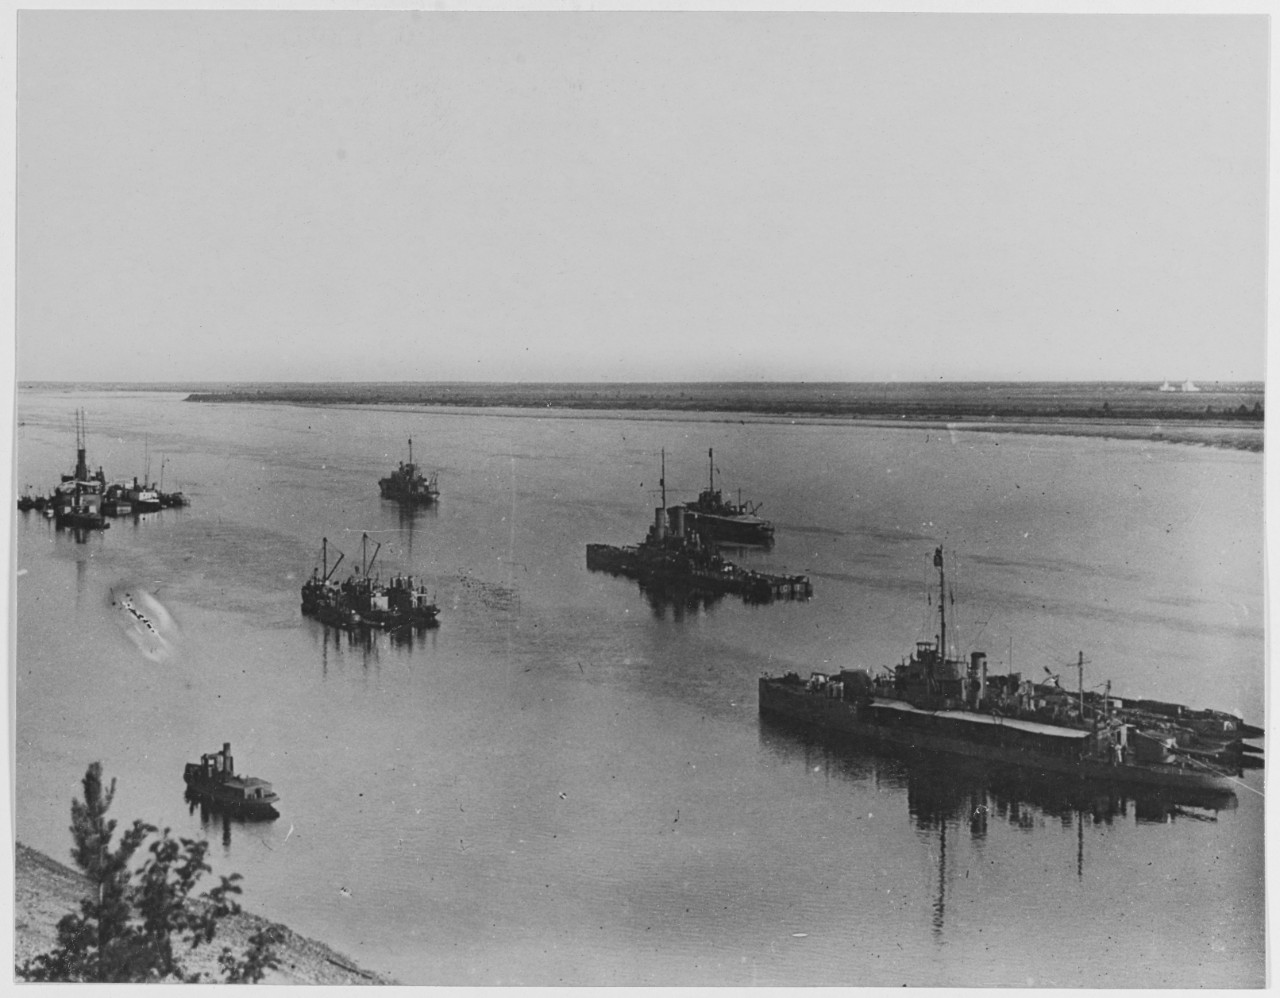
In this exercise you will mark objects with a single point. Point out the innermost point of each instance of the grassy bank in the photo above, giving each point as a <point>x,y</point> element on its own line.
<point>45,890</point>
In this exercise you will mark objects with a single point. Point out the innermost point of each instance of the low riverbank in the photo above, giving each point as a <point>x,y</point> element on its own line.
<point>1228,415</point>
<point>45,890</point>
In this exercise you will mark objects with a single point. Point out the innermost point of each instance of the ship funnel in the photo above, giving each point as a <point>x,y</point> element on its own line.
<point>679,515</point>
<point>978,672</point>
<point>660,522</point>
<point>226,758</point>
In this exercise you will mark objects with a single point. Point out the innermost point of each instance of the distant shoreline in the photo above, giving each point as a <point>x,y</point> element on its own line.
<point>1227,418</point>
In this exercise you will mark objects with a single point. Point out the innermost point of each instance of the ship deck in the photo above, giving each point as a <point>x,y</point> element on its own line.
<point>970,717</point>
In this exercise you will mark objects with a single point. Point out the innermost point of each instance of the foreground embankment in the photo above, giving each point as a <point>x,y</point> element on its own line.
<point>45,890</point>
<point>1218,415</point>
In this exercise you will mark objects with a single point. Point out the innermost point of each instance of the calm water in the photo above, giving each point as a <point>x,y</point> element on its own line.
<point>568,783</point>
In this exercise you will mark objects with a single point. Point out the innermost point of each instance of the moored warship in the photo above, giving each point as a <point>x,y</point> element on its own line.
<point>408,485</point>
<point>671,555</point>
<point>938,703</point>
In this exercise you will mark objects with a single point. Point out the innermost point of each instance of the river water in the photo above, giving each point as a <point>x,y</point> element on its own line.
<point>568,781</point>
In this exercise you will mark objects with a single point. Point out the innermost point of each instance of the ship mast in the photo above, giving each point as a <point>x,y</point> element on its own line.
<point>82,468</point>
<point>1080,670</point>
<point>662,481</point>
<point>411,452</point>
<point>711,470</point>
<point>942,603</point>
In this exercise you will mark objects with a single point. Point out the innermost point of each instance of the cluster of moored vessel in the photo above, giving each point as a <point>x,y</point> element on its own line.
<point>938,703</point>
<point>931,701</point>
<point>364,600</point>
<point>680,551</point>
<point>83,499</point>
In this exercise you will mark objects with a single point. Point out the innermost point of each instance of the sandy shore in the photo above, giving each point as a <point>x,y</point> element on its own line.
<point>45,890</point>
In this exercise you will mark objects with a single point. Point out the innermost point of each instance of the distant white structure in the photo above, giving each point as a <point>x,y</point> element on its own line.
<point>1166,387</point>
<point>1186,386</point>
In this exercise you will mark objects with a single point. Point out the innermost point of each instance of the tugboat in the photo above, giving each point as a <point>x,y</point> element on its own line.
<point>143,496</point>
<point>718,519</point>
<point>672,556</point>
<point>77,501</point>
<point>363,601</point>
<point>407,484</point>
<point>214,779</point>
<point>936,703</point>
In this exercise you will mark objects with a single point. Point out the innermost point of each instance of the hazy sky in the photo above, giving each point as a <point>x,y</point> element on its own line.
<point>505,196</point>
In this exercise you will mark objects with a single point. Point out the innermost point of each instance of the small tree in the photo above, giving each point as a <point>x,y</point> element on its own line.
<point>135,924</point>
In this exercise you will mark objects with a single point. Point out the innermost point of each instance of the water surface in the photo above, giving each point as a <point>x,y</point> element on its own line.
<point>568,781</point>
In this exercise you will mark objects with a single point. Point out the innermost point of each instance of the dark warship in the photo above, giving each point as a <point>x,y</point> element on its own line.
<point>937,703</point>
<point>408,486</point>
<point>671,556</point>
<point>715,518</point>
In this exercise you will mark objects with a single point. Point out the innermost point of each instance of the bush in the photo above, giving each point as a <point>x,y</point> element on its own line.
<point>136,924</point>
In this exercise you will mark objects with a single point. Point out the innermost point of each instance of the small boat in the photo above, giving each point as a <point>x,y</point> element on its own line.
<point>143,496</point>
<point>408,485</point>
<point>214,779</point>
<point>169,500</point>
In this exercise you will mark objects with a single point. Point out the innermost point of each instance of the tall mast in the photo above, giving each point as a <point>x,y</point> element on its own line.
<point>82,467</point>
<point>1080,668</point>
<point>942,603</point>
<point>411,452</point>
<point>662,479</point>
<point>711,469</point>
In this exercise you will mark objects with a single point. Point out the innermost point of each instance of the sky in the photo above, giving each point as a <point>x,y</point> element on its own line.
<point>543,196</point>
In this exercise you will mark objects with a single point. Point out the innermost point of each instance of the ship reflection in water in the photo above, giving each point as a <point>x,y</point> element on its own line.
<point>219,817</point>
<point>679,601</point>
<point>948,794</point>
<point>338,645</point>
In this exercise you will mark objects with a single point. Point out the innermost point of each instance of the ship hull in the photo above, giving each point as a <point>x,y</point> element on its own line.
<point>344,617</point>
<point>225,799</point>
<point>670,570</point>
<point>829,716</point>
<point>81,521</point>
<point>406,496</point>
<point>731,529</point>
